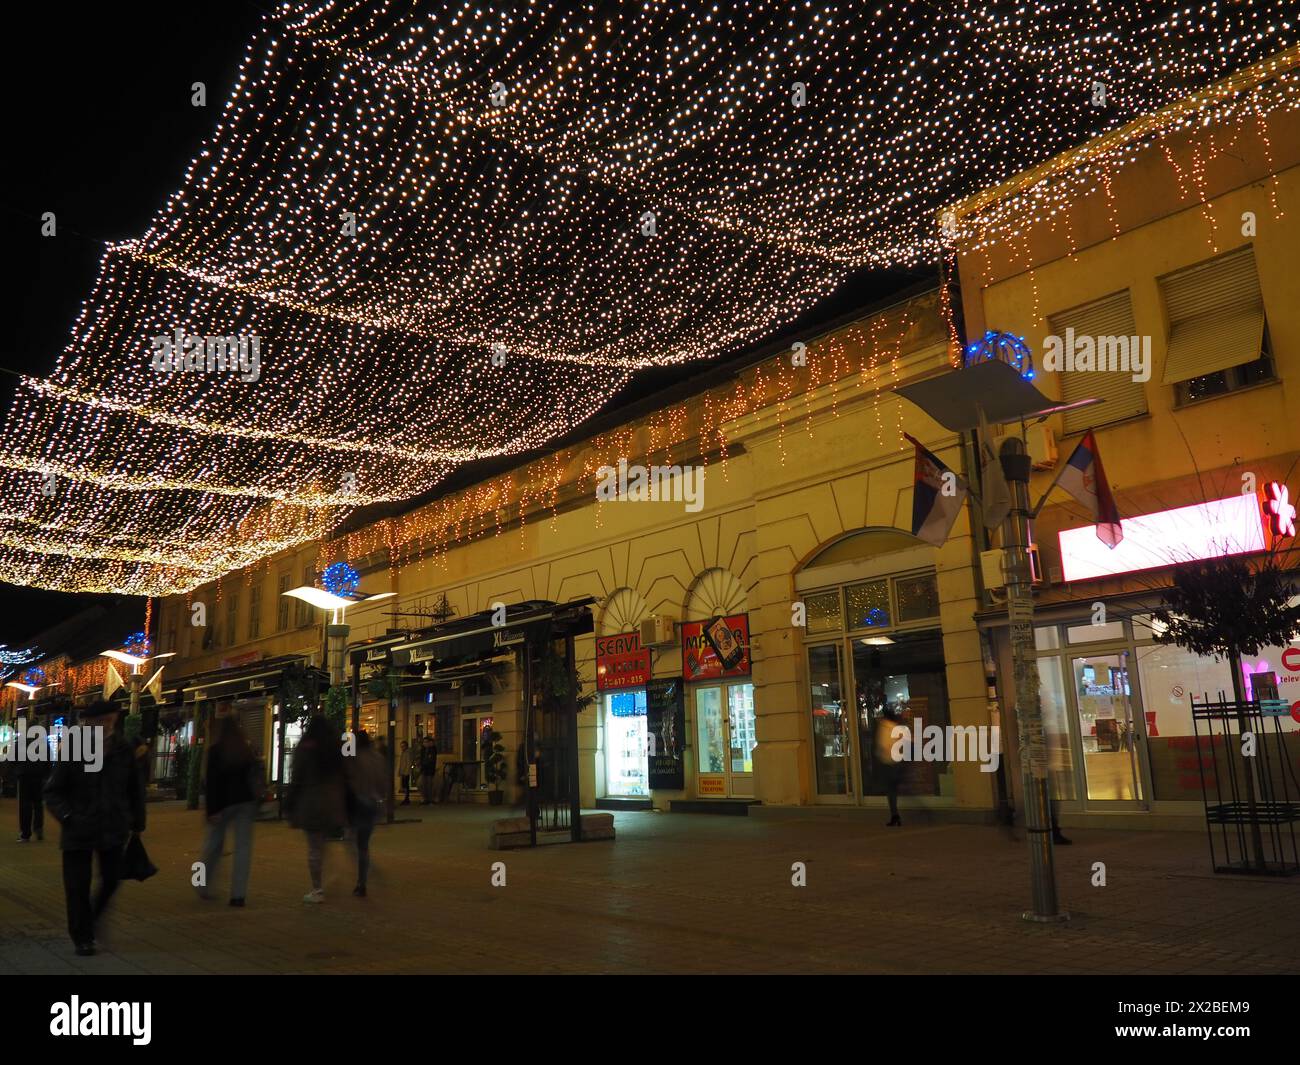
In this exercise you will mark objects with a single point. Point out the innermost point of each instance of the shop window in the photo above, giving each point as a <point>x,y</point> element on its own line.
<point>909,678</point>
<point>917,597</point>
<point>868,605</point>
<point>829,725</point>
<point>626,744</point>
<point>1056,728</point>
<point>1112,630</point>
<point>1047,638</point>
<point>823,612</point>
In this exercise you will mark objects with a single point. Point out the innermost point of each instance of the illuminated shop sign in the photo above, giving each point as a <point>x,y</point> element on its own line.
<point>718,647</point>
<point>1235,526</point>
<point>621,662</point>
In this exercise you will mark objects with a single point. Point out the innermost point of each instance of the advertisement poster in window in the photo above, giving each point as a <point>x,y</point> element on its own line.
<point>666,731</point>
<point>716,648</point>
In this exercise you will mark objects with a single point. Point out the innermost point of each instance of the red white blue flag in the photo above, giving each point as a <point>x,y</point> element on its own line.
<point>937,496</point>
<point>1083,477</point>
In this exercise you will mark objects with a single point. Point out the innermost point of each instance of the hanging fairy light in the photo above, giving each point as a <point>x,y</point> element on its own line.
<point>426,234</point>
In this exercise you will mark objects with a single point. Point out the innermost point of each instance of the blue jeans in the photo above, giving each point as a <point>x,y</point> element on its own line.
<point>241,816</point>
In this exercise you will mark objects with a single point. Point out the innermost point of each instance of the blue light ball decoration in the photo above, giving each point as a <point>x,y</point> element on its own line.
<point>137,644</point>
<point>875,616</point>
<point>340,579</point>
<point>1005,347</point>
<point>34,676</point>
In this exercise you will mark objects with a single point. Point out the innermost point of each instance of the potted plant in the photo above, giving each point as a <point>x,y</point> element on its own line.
<point>494,765</point>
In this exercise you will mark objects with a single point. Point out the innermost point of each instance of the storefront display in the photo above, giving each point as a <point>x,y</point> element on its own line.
<point>627,772</point>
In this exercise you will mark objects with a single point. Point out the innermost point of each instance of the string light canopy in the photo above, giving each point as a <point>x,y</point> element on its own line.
<point>426,234</point>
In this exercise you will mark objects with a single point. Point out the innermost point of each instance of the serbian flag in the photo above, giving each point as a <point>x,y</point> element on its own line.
<point>937,496</point>
<point>1083,477</point>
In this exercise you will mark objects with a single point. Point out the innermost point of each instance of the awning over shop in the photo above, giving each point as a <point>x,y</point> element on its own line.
<point>238,682</point>
<point>476,637</point>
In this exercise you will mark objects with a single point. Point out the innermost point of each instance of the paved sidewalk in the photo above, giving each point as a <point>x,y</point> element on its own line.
<point>676,893</point>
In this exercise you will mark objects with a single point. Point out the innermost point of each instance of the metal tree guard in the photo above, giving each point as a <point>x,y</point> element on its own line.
<point>1253,804</point>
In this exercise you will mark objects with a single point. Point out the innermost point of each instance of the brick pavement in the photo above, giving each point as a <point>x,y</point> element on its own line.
<point>676,893</point>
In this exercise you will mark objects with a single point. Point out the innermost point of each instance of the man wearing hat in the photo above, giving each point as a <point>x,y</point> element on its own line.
<point>98,812</point>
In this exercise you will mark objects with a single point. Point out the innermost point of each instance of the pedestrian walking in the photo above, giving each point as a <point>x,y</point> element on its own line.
<point>428,768</point>
<point>98,813</point>
<point>405,769</point>
<point>368,785</point>
<point>317,798</point>
<point>893,739</point>
<point>31,777</point>
<point>234,789</point>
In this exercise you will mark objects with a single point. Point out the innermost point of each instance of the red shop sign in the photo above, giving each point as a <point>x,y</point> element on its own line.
<point>718,647</point>
<point>621,662</point>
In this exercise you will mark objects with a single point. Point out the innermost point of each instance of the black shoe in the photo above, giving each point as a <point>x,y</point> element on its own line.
<point>237,902</point>
<point>1060,840</point>
<point>24,839</point>
<point>894,822</point>
<point>359,891</point>
<point>405,802</point>
<point>85,950</point>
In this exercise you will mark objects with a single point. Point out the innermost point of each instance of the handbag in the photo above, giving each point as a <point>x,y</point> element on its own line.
<point>135,860</point>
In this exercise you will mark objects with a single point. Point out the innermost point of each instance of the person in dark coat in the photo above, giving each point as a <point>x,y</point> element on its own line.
<point>317,797</point>
<point>31,810</point>
<point>428,768</point>
<point>368,781</point>
<point>97,812</point>
<point>233,772</point>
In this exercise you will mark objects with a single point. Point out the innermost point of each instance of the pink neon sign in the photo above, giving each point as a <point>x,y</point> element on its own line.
<point>1232,526</point>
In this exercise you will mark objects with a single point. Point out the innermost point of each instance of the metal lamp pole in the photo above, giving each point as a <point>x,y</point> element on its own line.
<point>1029,711</point>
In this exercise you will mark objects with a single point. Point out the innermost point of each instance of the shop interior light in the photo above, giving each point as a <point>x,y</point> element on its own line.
<point>877,641</point>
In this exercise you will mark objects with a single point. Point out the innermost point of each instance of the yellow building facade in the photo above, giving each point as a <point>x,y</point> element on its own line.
<point>1177,234</point>
<point>799,541</point>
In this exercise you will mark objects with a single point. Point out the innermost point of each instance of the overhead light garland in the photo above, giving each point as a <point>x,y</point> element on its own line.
<point>451,232</point>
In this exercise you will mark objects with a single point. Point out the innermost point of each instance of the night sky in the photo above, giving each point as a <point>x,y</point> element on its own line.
<point>100,129</point>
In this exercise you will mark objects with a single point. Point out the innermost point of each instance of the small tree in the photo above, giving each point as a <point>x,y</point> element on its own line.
<point>1228,607</point>
<point>494,759</point>
<point>335,706</point>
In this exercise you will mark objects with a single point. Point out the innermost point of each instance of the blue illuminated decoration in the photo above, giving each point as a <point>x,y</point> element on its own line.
<point>1005,347</point>
<point>137,644</point>
<point>34,676</point>
<point>876,616</point>
<point>340,579</point>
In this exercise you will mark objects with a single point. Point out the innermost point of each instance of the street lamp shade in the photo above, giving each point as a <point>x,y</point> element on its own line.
<point>324,600</point>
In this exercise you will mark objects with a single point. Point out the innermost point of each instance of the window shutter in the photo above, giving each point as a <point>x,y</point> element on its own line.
<point>1123,397</point>
<point>1216,316</point>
